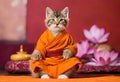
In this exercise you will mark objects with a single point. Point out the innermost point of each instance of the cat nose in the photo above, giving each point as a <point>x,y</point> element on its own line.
<point>57,24</point>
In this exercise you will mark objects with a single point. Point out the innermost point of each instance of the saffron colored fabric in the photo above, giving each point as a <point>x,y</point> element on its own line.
<point>87,78</point>
<point>51,48</point>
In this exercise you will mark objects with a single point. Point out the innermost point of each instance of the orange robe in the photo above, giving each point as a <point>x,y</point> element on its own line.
<point>51,48</point>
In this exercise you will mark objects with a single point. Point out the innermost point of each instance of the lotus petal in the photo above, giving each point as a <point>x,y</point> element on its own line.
<point>113,55</point>
<point>83,49</point>
<point>96,34</point>
<point>92,64</point>
<point>104,38</point>
<point>115,63</point>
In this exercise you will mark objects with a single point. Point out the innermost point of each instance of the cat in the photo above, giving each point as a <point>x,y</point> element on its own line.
<point>56,22</point>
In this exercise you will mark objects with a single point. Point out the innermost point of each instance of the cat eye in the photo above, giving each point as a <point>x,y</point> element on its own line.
<point>61,19</point>
<point>52,20</point>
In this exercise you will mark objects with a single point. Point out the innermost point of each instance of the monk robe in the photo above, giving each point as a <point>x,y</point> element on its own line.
<point>51,48</point>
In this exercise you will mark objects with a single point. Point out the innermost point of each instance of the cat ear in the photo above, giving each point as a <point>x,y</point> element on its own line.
<point>65,12</point>
<point>49,11</point>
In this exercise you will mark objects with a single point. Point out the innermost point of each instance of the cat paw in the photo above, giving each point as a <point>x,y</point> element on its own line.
<point>36,55</point>
<point>67,54</point>
<point>45,76</point>
<point>62,76</point>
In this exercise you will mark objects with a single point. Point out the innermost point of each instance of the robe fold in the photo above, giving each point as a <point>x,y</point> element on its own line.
<point>51,48</point>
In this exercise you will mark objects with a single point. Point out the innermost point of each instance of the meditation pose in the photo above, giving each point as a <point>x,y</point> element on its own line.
<point>54,54</point>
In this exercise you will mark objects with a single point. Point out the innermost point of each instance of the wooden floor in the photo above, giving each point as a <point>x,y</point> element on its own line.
<point>92,77</point>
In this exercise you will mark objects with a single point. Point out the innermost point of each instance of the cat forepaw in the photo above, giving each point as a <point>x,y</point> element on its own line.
<point>45,76</point>
<point>67,54</point>
<point>36,55</point>
<point>62,76</point>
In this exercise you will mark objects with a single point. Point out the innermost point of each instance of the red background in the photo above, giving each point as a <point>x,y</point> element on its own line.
<point>83,14</point>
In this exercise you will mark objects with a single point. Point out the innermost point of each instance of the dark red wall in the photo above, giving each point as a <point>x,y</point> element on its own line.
<point>83,14</point>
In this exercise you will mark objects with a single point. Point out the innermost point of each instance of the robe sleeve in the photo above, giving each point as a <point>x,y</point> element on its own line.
<point>72,45</point>
<point>41,44</point>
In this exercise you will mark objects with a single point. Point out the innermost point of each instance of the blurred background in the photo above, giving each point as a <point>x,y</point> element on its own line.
<point>13,20</point>
<point>22,21</point>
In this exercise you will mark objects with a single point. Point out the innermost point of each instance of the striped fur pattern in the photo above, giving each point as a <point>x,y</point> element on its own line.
<point>56,21</point>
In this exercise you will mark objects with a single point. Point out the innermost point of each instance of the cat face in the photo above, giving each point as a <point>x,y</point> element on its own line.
<point>56,21</point>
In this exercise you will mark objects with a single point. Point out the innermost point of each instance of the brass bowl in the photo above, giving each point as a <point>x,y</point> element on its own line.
<point>21,55</point>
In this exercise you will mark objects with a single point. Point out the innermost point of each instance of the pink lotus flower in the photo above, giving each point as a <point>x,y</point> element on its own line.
<point>102,58</point>
<point>84,49</point>
<point>115,63</point>
<point>96,34</point>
